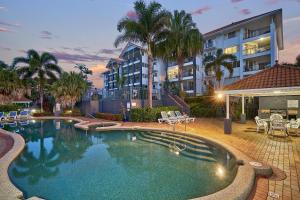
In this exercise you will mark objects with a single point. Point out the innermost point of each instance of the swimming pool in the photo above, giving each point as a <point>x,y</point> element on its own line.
<point>62,162</point>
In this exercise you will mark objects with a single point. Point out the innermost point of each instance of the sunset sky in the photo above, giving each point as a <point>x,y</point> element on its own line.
<point>83,31</point>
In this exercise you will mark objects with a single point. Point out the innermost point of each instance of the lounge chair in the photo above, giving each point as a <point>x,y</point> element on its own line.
<point>2,116</point>
<point>12,115</point>
<point>1,125</point>
<point>166,118</point>
<point>173,115</point>
<point>185,117</point>
<point>261,124</point>
<point>24,114</point>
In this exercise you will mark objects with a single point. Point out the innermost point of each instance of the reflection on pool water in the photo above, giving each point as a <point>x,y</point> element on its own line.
<point>62,162</point>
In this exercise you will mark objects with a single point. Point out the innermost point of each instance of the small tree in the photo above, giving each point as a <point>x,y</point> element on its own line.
<point>69,89</point>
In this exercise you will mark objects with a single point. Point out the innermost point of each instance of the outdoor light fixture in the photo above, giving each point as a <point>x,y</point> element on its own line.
<point>220,172</point>
<point>220,96</point>
<point>33,110</point>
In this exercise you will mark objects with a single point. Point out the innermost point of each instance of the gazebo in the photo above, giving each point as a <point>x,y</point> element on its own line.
<point>22,100</point>
<point>276,86</point>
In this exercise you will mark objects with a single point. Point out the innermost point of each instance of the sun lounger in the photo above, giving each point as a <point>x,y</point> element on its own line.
<point>23,114</point>
<point>12,115</point>
<point>173,115</point>
<point>166,118</point>
<point>2,116</point>
<point>185,117</point>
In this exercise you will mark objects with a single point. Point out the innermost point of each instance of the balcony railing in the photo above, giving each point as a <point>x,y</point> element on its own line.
<point>257,67</point>
<point>187,74</point>
<point>254,33</point>
<point>251,51</point>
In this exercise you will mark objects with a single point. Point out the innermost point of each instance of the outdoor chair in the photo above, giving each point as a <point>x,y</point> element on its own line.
<point>2,116</point>
<point>261,124</point>
<point>276,117</point>
<point>1,125</point>
<point>293,126</point>
<point>279,125</point>
<point>23,114</point>
<point>166,118</point>
<point>12,115</point>
<point>186,117</point>
<point>174,116</point>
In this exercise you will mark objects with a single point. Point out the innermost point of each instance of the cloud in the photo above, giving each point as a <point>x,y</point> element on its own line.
<point>9,24</point>
<point>2,8</point>
<point>245,11</point>
<point>99,68</point>
<point>4,29</point>
<point>201,10</point>
<point>96,77</point>
<point>292,19</point>
<point>109,51</point>
<point>291,51</point>
<point>75,57</point>
<point>278,1</point>
<point>47,35</point>
<point>236,1</point>
<point>5,48</point>
<point>132,15</point>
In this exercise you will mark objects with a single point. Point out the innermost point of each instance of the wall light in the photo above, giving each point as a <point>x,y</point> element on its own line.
<point>277,92</point>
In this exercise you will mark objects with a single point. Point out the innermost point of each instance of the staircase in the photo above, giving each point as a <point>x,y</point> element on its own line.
<point>192,147</point>
<point>169,99</point>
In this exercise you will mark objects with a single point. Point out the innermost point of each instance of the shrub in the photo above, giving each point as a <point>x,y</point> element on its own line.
<point>109,116</point>
<point>148,114</point>
<point>41,114</point>
<point>9,107</point>
<point>75,112</point>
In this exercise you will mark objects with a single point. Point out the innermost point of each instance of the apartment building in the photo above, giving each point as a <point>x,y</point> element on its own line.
<point>132,67</point>
<point>255,42</point>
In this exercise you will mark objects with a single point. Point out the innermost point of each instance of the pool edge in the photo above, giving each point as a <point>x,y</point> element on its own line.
<point>239,189</point>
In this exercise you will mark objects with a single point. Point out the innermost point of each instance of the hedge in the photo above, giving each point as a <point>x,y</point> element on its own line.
<point>42,114</point>
<point>204,106</point>
<point>148,114</point>
<point>9,107</point>
<point>109,116</point>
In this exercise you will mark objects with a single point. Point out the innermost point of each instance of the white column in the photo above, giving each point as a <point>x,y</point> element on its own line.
<point>243,104</point>
<point>242,32</point>
<point>273,42</point>
<point>227,106</point>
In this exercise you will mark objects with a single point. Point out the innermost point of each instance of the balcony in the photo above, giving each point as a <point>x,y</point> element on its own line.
<point>257,67</point>
<point>256,50</point>
<point>187,73</point>
<point>254,33</point>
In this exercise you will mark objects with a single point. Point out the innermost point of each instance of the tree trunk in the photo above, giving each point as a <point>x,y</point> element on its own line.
<point>180,63</point>
<point>41,97</point>
<point>150,76</point>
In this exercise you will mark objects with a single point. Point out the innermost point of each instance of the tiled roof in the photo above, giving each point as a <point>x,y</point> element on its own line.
<point>241,22</point>
<point>21,99</point>
<point>274,77</point>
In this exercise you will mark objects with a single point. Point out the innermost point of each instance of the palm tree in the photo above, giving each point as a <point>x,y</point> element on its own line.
<point>84,70</point>
<point>42,68</point>
<point>69,89</point>
<point>145,29</point>
<point>215,63</point>
<point>183,40</point>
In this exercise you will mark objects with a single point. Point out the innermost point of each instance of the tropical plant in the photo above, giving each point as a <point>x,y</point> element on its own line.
<point>41,68</point>
<point>3,65</point>
<point>84,70</point>
<point>147,29</point>
<point>69,89</point>
<point>10,86</point>
<point>183,41</point>
<point>214,64</point>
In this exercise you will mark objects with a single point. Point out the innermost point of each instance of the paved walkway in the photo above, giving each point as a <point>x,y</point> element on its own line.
<point>282,153</point>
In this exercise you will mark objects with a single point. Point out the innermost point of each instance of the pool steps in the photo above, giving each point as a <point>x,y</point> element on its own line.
<point>193,152</point>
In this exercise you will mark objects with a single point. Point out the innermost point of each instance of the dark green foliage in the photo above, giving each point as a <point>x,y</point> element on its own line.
<point>9,107</point>
<point>204,106</point>
<point>75,112</point>
<point>42,114</point>
<point>148,114</point>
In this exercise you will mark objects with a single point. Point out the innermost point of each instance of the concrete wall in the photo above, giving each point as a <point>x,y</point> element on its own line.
<point>279,103</point>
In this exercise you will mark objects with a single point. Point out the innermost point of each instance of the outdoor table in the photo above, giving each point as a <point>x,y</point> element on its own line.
<point>268,120</point>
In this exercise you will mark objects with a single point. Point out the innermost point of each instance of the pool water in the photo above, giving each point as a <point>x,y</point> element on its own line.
<point>62,162</point>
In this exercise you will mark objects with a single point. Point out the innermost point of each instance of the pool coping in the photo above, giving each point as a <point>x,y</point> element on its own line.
<point>239,189</point>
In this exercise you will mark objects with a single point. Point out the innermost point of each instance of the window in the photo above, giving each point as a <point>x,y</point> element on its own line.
<point>231,35</point>
<point>231,50</point>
